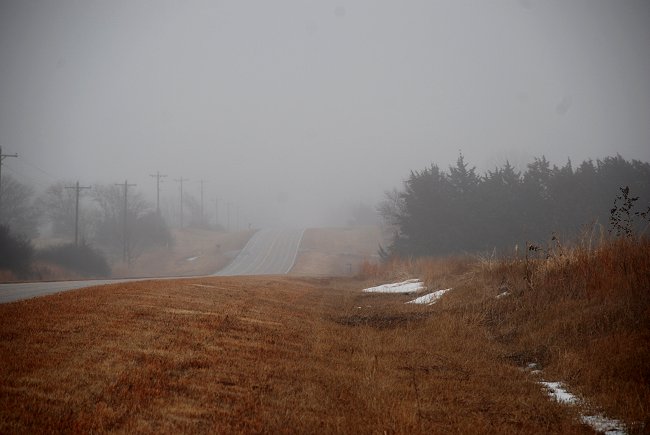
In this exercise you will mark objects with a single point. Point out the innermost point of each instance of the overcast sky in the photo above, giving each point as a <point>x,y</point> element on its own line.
<point>292,108</point>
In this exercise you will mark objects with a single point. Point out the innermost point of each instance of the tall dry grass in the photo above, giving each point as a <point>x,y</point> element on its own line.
<point>258,355</point>
<point>305,355</point>
<point>581,312</point>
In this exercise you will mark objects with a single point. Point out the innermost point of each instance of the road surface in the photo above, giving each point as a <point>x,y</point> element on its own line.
<point>268,252</point>
<point>26,290</point>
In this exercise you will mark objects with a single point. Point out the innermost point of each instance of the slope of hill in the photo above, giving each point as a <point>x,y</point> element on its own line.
<point>336,251</point>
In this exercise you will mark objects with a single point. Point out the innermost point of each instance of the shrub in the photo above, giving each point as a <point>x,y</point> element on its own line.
<point>16,253</point>
<point>83,259</point>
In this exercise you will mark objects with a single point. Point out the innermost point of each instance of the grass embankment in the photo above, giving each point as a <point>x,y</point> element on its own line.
<point>305,355</point>
<point>194,252</point>
<point>581,314</point>
<point>336,251</point>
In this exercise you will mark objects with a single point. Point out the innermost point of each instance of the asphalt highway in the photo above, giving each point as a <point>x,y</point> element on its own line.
<point>268,252</point>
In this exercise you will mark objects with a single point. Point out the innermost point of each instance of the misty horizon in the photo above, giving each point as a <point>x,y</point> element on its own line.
<point>294,111</point>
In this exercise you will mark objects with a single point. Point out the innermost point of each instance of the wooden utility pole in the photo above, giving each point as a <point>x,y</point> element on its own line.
<point>77,189</point>
<point>158,176</point>
<point>2,157</point>
<point>181,180</point>
<point>125,233</point>
<point>228,209</point>
<point>202,181</point>
<point>216,212</point>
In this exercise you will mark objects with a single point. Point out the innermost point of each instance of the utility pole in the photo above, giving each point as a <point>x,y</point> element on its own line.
<point>228,208</point>
<point>125,235</point>
<point>77,189</point>
<point>2,157</point>
<point>216,212</point>
<point>181,180</point>
<point>158,176</point>
<point>202,181</point>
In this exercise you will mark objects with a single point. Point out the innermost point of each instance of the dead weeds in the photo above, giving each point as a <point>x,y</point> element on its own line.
<point>267,354</point>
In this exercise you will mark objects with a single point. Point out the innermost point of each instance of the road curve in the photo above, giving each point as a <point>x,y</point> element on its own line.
<point>268,252</point>
<point>26,290</point>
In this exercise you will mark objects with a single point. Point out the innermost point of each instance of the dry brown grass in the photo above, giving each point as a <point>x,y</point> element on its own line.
<point>211,250</point>
<point>583,315</point>
<point>262,354</point>
<point>336,251</point>
<point>586,320</point>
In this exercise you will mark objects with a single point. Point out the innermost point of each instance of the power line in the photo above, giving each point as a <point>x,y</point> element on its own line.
<point>43,171</point>
<point>2,157</point>
<point>77,189</point>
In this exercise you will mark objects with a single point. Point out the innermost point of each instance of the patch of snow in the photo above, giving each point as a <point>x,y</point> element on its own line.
<point>430,298</point>
<point>558,392</point>
<point>502,295</point>
<point>191,258</point>
<point>408,286</point>
<point>532,368</point>
<point>603,424</point>
<point>598,423</point>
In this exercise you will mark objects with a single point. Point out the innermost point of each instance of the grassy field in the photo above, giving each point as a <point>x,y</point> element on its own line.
<point>336,251</point>
<point>296,355</point>
<point>194,252</point>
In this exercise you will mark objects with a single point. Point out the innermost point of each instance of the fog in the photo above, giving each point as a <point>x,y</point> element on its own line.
<point>294,110</point>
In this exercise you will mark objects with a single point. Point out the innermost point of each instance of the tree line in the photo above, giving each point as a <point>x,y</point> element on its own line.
<point>441,212</point>
<point>107,231</point>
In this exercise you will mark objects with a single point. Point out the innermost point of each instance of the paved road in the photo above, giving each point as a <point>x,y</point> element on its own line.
<point>26,290</point>
<point>268,252</point>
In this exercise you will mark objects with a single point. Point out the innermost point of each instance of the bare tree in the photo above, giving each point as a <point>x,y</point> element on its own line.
<point>18,211</point>
<point>57,206</point>
<point>145,227</point>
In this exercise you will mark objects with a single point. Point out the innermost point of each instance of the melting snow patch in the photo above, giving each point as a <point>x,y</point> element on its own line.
<point>533,368</point>
<point>409,286</point>
<point>429,299</point>
<point>556,391</point>
<point>191,258</point>
<point>598,423</point>
<point>603,424</point>
<point>502,295</point>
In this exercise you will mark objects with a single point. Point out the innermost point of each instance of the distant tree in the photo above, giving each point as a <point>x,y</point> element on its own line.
<point>82,259</point>
<point>361,214</point>
<point>16,253</point>
<point>17,209</point>
<point>149,231</point>
<point>197,219</point>
<point>424,217</point>
<point>441,212</point>
<point>57,205</point>
<point>390,209</point>
<point>500,196</point>
<point>109,225</point>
